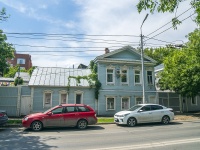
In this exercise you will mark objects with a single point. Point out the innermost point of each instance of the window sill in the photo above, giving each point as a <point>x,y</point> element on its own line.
<point>110,84</point>
<point>139,84</point>
<point>125,84</point>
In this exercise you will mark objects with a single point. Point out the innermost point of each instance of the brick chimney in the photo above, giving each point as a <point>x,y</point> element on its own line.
<point>107,50</point>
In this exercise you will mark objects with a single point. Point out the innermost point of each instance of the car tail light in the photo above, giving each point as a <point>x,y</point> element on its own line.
<point>2,114</point>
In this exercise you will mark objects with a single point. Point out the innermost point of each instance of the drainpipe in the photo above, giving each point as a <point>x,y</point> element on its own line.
<point>180,103</point>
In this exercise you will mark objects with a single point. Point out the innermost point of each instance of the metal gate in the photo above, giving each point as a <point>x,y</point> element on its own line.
<point>25,105</point>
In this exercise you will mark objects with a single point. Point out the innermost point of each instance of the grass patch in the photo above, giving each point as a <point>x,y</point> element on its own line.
<point>105,120</point>
<point>100,120</point>
<point>14,121</point>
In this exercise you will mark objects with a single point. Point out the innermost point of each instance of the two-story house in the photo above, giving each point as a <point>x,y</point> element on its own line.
<point>120,73</point>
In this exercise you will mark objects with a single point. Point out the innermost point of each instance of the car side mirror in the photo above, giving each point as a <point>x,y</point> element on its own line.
<point>49,113</point>
<point>140,110</point>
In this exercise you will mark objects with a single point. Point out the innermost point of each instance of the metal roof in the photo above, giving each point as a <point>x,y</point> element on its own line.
<point>159,68</point>
<point>55,76</point>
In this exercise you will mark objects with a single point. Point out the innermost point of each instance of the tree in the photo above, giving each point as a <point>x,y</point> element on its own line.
<point>160,53</point>
<point>6,51</point>
<point>3,15</point>
<point>171,6</point>
<point>11,71</point>
<point>18,81</point>
<point>182,68</point>
<point>30,71</point>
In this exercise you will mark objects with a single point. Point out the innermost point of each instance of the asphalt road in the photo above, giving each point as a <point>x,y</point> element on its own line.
<point>175,136</point>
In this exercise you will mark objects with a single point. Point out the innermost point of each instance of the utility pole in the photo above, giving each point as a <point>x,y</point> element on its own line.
<point>142,61</point>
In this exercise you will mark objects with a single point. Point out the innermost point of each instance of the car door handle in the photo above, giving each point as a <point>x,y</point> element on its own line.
<point>150,113</point>
<point>76,114</point>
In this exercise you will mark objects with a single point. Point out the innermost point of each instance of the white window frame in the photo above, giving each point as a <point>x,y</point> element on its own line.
<point>121,74</point>
<point>139,75</point>
<point>122,102</point>
<point>63,92</point>
<point>107,104</point>
<point>152,97</point>
<point>44,96</point>
<point>195,100</point>
<point>113,75</point>
<point>148,77</point>
<point>137,100</point>
<point>76,93</point>
<point>21,59</point>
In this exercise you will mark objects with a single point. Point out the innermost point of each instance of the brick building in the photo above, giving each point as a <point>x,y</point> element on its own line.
<point>24,60</point>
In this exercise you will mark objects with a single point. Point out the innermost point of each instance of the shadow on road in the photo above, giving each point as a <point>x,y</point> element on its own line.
<point>14,139</point>
<point>152,125</point>
<point>67,129</point>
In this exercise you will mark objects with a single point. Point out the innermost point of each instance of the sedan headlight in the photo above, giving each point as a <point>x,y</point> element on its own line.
<point>126,114</point>
<point>26,118</point>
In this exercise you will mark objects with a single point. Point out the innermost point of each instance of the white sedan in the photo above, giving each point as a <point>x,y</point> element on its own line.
<point>144,113</point>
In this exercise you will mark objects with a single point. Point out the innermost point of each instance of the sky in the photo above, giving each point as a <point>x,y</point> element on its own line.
<point>66,33</point>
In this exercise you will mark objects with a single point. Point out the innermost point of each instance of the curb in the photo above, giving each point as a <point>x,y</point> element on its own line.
<point>20,125</point>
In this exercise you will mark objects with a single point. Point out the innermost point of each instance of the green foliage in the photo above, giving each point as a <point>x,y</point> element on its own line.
<point>78,78</point>
<point>182,68</point>
<point>159,5</point>
<point>171,6</point>
<point>11,71</point>
<point>30,71</point>
<point>3,15</point>
<point>6,51</point>
<point>18,81</point>
<point>159,54</point>
<point>92,79</point>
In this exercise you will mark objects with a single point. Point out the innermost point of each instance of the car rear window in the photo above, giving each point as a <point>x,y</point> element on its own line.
<point>70,109</point>
<point>156,107</point>
<point>82,109</point>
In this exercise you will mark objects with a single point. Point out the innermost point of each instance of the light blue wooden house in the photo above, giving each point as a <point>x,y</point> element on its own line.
<point>51,86</point>
<point>120,73</point>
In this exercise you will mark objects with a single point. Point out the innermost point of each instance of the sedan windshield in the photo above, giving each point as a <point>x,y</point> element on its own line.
<point>48,110</point>
<point>135,107</point>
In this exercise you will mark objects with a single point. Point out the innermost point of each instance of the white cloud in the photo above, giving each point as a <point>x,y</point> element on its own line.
<point>99,17</point>
<point>121,17</point>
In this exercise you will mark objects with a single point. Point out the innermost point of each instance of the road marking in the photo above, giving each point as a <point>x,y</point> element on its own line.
<point>151,145</point>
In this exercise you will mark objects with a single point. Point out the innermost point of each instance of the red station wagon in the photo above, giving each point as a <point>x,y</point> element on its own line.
<point>65,115</point>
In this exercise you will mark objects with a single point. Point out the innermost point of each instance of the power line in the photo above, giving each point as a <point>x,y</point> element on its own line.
<point>169,22</point>
<point>169,28</point>
<point>66,34</point>
<point>85,41</point>
<point>62,46</point>
<point>64,55</point>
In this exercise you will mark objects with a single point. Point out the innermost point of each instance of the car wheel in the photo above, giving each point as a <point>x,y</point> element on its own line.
<point>131,122</point>
<point>165,119</point>
<point>36,126</point>
<point>82,124</point>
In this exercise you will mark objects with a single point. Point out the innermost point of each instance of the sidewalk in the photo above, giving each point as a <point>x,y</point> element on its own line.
<point>187,116</point>
<point>178,117</point>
